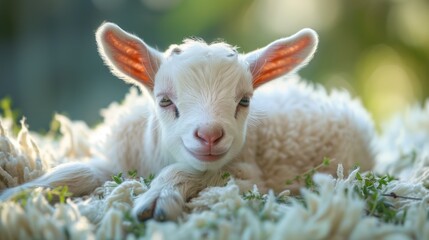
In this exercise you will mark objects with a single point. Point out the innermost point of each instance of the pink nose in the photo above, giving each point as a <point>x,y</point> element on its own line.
<point>209,135</point>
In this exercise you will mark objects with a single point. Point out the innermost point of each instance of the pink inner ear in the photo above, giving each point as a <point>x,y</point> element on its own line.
<point>279,59</point>
<point>128,56</point>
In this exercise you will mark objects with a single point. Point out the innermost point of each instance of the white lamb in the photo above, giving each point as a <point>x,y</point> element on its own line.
<point>207,110</point>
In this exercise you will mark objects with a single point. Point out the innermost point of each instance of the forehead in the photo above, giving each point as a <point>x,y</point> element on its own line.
<point>195,65</point>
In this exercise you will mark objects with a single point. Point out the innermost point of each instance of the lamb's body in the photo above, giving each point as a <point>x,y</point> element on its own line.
<point>294,125</point>
<point>195,121</point>
<point>302,125</point>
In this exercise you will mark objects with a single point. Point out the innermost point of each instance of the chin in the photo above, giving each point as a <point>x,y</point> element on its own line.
<point>208,163</point>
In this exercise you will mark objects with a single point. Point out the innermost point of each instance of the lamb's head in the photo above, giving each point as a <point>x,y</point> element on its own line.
<point>202,92</point>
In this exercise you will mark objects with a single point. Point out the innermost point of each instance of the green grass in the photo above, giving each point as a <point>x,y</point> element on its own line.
<point>9,113</point>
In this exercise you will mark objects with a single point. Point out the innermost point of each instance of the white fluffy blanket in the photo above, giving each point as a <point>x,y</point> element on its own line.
<point>351,205</point>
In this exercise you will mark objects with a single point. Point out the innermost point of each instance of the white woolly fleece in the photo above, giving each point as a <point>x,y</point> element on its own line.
<point>295,125</point>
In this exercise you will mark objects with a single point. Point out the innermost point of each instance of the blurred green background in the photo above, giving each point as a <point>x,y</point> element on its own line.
<point>376,49</point>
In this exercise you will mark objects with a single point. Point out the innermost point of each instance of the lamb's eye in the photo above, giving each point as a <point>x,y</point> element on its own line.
<point>245,101</point>
<point>165,102</point>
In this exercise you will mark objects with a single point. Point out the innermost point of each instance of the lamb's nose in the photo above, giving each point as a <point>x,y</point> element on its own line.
<point>209,135</point>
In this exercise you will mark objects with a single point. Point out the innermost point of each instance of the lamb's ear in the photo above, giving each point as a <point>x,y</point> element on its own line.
<point>282,56</point>
<point>127,56</point>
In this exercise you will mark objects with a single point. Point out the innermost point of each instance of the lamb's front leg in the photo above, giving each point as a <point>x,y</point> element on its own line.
<point>80,178</point>
<point>169,191</point>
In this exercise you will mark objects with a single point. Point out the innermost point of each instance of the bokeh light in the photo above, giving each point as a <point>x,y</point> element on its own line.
<point>388,85</point>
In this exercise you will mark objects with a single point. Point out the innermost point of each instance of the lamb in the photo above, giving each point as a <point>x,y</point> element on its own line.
<point>207,110</point>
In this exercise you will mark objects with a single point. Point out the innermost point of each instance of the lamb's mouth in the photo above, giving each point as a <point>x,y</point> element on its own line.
<point>207,157</point>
